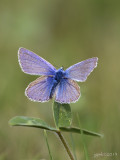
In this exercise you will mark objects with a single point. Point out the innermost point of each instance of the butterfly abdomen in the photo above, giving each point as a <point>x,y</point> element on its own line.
<point>53,88</point>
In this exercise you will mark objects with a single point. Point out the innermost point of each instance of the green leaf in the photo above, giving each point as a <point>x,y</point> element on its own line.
<point>78,130</point>
<point>62,114</point>
<point>30,122</point>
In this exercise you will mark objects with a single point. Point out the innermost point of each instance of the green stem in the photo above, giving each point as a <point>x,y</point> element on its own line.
<point>65,145</point>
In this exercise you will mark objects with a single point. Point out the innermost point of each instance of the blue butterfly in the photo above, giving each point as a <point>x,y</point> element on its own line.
<point>53,83</point>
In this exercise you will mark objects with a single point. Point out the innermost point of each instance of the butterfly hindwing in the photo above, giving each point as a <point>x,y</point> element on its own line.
<point>40,89</point>
<point>67,91</point>
<point>33,64</point>
<point>80,71</point>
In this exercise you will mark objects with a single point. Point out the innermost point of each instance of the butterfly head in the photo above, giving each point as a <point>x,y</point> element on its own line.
<point>62,68</point>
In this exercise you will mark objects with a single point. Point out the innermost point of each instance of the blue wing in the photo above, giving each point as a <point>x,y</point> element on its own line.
<point>40,89</point>
<point>67,91</point>
<point>31,63</point>
<point>80,71</point>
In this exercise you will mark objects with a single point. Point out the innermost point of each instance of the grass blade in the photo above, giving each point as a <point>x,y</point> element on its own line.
<point>45,134</point>
<point>83,142</point>
<point>73,146</point>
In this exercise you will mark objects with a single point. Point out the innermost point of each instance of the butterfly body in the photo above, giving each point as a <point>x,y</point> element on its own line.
<point>59,75</point>
<point>55,83</point>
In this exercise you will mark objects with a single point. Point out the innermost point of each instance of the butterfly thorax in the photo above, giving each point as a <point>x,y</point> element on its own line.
<point>59,74</point>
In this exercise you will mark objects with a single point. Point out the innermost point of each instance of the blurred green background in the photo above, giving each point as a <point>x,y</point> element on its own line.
<point>64,33</point>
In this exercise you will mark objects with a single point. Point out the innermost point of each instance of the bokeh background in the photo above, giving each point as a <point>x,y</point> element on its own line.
<point>64,33</point>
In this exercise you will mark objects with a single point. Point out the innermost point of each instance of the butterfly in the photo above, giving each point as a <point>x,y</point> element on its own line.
<point>53,83</point>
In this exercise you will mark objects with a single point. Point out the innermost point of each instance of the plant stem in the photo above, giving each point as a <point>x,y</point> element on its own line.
<point>65,145</point>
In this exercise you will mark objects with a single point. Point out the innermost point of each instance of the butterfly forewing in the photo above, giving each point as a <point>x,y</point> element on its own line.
<point>40,89</point>
<point>80,71</point>
<point>33,64</point>
<point>67,91</point>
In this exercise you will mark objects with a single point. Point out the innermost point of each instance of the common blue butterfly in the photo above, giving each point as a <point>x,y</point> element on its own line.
<point>55,83</point>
